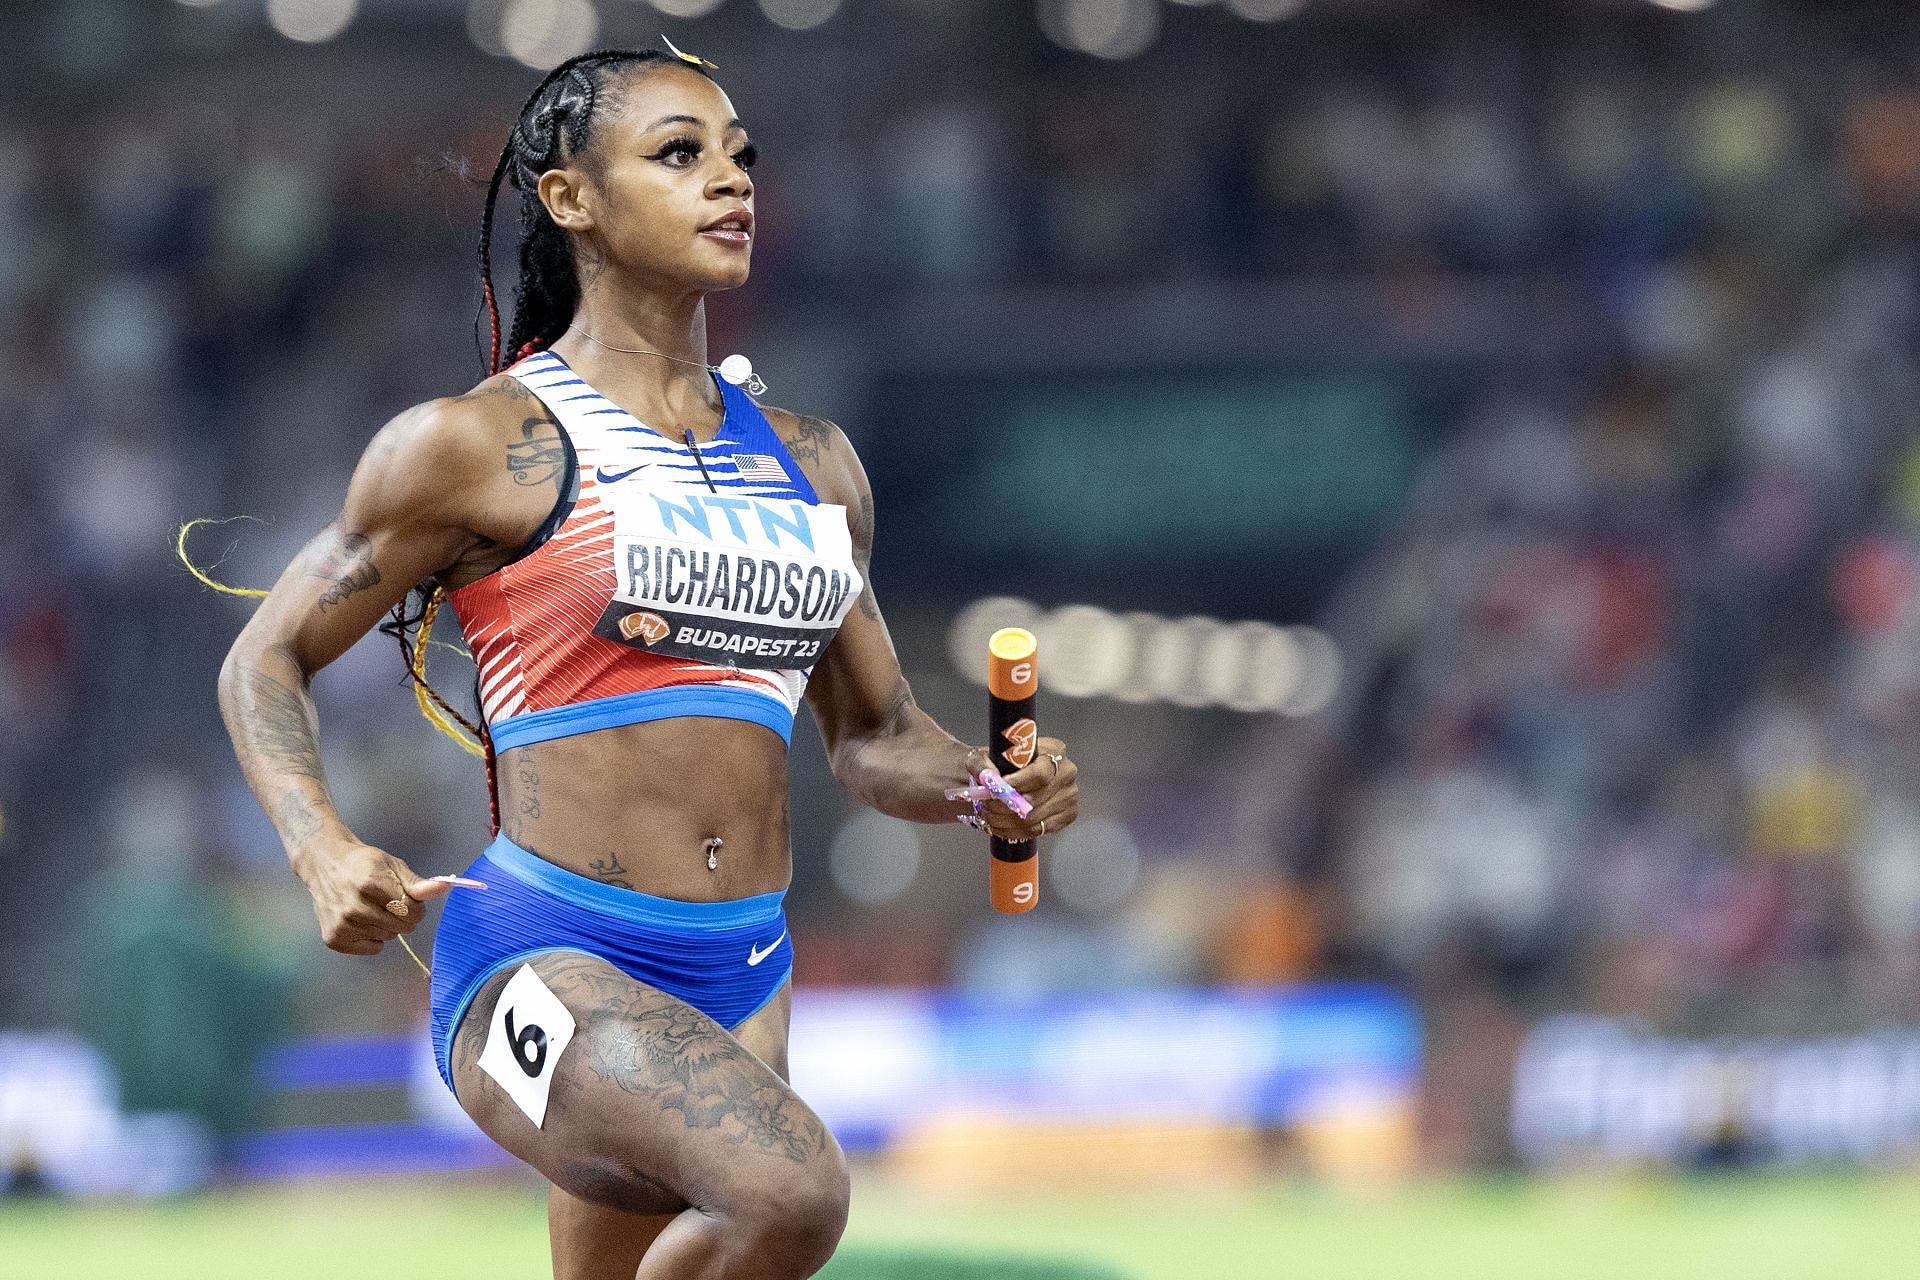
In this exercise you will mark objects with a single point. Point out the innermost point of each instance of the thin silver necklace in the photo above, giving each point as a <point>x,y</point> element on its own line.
<point>736,368</point>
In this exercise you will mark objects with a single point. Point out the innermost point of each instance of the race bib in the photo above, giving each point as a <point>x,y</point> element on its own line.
<point>725,578</point>
<point>530,1030</point>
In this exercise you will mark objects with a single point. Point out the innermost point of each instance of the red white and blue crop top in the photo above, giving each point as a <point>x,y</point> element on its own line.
<point>682,581</point>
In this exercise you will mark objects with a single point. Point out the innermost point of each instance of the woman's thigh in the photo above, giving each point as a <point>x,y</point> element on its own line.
<point>652,1107</point>
<point>593,1242</point>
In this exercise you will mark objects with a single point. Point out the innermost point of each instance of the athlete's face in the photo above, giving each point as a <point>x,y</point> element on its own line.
<point>664,192</point>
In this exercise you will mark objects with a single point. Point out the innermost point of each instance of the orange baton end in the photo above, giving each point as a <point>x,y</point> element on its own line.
<point>1012,670</point>
<point>1014,887</point>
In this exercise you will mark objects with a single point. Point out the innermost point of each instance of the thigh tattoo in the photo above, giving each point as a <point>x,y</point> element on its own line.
<point>652,1046</point>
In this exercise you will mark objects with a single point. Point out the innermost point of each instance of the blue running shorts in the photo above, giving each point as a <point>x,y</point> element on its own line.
<point>726,959</point>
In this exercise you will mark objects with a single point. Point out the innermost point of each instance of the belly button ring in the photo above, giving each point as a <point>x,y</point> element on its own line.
<point>712,845</point>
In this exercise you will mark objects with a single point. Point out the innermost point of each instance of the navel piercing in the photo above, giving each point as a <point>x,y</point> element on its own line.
<point>712,845</point>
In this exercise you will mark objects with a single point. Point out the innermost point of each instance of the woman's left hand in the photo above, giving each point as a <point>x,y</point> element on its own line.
<point>1051,783</point>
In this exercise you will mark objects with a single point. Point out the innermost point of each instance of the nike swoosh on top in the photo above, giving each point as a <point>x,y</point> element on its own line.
<point>755,955</point>
<point>600,473</point>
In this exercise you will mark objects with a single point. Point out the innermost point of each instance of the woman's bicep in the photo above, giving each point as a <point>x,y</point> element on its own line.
<point>857,689</point>
<point>863,692</point>
<point>395,529</point>
<point>336,590</point>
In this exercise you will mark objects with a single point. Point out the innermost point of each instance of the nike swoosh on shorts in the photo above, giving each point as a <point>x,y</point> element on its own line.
<point>755,955</point>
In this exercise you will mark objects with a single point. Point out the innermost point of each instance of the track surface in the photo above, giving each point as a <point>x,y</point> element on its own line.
<point>1747,1229</point>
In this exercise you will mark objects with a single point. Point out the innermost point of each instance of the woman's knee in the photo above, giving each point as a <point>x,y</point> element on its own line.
<point>795,1218</point>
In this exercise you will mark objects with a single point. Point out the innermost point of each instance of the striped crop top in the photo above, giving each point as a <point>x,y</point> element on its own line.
<point>680,582</point>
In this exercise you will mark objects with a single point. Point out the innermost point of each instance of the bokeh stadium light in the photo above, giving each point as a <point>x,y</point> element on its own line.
<point>874,858</point>
<point>1265,10</point>
<point>686,8</point>
<point>311,21</point>
<point>1114,29</point>
<point>1194,661</point>
<point>799,15</point>
<point>543,33</point>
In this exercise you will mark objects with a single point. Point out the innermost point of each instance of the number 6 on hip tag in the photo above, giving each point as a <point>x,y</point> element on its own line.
<point>530,1030</point>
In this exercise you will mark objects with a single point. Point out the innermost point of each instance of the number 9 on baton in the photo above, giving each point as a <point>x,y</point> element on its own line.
<point>1013,681</point>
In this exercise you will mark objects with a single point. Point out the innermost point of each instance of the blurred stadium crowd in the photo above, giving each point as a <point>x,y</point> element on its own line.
<point>1630,713</point>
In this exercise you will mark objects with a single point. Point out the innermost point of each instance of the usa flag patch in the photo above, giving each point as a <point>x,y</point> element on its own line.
<point>759,466</point>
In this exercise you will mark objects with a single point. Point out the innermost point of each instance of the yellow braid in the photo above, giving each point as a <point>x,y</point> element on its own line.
<point>402,939</point>
<point>180,549</point>
<point>432,704</point>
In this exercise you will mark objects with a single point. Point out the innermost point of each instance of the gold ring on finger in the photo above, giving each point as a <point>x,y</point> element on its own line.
<point>398,906</point>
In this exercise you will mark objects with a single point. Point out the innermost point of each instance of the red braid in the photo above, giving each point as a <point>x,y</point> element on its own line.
<point>493,324</point>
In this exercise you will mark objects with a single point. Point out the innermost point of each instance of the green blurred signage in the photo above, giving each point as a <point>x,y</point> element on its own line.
<point>1235,464</point>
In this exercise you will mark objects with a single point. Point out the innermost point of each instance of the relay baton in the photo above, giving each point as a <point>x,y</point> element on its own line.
<point>1013,680</point>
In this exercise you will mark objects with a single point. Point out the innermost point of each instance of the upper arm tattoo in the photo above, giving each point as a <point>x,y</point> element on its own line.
<point>863,531</point>
<point>348,564</point>
<point>539,456</point>
<point>863,552</point>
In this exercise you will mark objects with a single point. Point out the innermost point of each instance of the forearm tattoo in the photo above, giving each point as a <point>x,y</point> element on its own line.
<point>278,725</point>
<point>349,565</point>
<point>299,820</point>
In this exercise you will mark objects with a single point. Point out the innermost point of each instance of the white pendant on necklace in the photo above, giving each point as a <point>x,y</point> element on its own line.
<point>738,370</point>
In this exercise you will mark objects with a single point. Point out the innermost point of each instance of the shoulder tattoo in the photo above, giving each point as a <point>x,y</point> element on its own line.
<point>539,456</point>
<point>505,386</point>
<point>812,439</point>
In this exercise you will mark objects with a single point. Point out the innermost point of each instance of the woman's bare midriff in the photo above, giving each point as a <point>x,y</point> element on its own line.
<point>635,806</point>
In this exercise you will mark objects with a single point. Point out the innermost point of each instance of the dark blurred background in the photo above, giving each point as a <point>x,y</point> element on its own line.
<point>1461,461</point>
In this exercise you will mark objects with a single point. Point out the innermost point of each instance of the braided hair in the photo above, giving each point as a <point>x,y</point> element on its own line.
<point>553,127</point>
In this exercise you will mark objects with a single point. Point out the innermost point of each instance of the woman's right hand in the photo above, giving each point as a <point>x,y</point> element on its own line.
<point>359,893</point>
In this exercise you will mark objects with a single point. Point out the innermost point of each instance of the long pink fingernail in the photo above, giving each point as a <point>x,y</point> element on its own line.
<point>998,788</point>
<point>458,882</point>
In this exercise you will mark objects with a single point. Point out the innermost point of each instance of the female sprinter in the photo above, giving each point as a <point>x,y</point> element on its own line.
<point>649,569</point>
